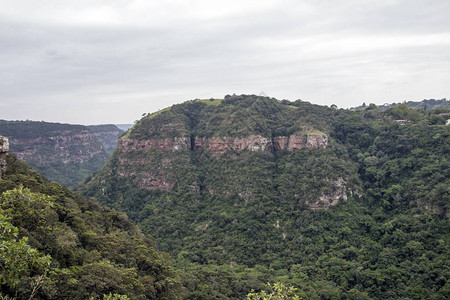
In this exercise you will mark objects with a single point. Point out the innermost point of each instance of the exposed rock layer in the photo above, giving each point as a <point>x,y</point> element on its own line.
<point>219,145</point>
<point>162,145</point>
<point>4,148</point>
<point>75,148</point>
<point>62,152</point>
<point>148,171</point>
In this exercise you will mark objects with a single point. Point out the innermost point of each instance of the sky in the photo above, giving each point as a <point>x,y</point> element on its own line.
<point>110,61</point>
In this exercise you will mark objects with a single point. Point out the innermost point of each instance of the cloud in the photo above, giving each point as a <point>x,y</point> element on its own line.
<point>109,61</point>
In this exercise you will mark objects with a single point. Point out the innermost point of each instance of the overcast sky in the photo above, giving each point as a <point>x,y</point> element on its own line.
<point>110,61</point>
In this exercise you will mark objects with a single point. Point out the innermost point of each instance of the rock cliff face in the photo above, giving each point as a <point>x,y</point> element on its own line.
<point>64,153</point>
<point>162,145</point>
<point>75,148</point>
<point>338,193</point>
<point>107,135</point>
<point>297,142</point>
<point>219,145</point>
<point>4,149</point>
<point>154,176</point>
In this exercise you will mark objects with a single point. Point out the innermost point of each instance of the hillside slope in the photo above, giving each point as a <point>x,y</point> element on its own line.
<point>327,200</point>
<point>93,250</point>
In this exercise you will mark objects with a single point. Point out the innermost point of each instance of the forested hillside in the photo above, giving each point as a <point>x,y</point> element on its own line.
<point>426,105</point>
<point>54,244</point>
<point>64,153</point>
<point>248,190</point>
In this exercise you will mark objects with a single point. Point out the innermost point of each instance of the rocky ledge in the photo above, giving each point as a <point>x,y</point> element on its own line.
<point>162,145</point>
<point>219,145</point>
<point>150,172</point>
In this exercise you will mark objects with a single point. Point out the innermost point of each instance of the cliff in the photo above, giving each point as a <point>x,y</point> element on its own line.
<point>107,135</point>
<point>166,150</point>
<point>67,147</point>
<point>220,145</point>
<point>64,153</point>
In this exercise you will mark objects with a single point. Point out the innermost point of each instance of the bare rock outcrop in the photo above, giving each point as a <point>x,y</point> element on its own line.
<point>4,149</point>
<point>326,200</point>
<point>68,147</point>
<point>162,145</point>
<point>297,142</point>
<point>219,145</point>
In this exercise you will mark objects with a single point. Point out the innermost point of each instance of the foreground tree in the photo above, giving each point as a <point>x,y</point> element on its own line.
<point>17,258</point>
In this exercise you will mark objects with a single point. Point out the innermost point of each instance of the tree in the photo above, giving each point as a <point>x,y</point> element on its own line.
<point>17,257</point>
<point>277,291</point>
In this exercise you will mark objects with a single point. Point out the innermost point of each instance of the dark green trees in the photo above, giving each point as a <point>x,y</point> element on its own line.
<point>93,251</point>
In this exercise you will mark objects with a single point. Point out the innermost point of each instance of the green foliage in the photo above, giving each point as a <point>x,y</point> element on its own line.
<point>18,260</point>
<point>103,128</point>
<point>73,173</point>
<point>425,105</point>
<point>235,116</point>
<point>403,112</point>
<point>94,251</point>
<point>32,129</point>
<point>241,219</point>
<point>276,291</point>
<point>115,297</point>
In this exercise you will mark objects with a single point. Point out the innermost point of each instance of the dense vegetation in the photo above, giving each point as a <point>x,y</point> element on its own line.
<point>32,129</point>
<point>240,220</point>
<point>236,116</point>
<point>426,105</point>
<point>54,244</point>
<point>102,128</point>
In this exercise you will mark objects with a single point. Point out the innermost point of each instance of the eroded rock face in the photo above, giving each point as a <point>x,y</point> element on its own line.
<point>74,148</point>
<point>107,134</point>
<point>4,149</point>
<point>331,199</point>
<point>108,139</point>
<point>297,142</point>
<point>219,145</point>
<point>149,171</point>
<point>162,145</point>
<point>4,144</point>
